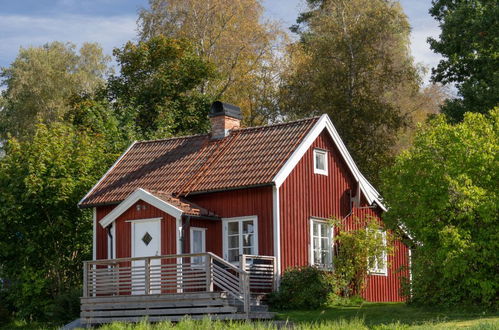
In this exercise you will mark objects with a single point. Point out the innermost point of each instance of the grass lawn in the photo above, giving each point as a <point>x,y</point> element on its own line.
<point>396,315</point>
<point>367,316</point>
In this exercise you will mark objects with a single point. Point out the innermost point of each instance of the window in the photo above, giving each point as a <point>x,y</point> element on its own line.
<point>321,243</point>
<point>198,244</point>
<point>240,237</point>
<point>320,161</point>
<point>379,264</point>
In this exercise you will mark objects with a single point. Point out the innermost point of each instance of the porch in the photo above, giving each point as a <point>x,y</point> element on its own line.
<point>169,287</point>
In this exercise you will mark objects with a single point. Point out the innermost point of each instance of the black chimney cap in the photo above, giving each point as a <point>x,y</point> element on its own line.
<point>225,109</point>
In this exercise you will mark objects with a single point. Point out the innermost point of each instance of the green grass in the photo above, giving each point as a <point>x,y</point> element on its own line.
<point>396,316</point>
<point>377,316</point>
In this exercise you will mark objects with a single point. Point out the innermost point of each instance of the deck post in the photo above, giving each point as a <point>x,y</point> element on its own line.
<point>85,279</point>
<point>147,269</point>
<point>246,292</point>
<point>209,278</point>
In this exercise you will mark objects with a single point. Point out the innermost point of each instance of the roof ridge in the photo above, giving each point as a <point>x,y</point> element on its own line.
<point>235,130</point>
<point>277,124</point>
<point>174,138</point>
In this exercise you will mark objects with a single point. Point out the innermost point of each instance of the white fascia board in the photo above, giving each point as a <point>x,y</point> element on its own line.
<point>140,194</point>
<point>325,122</point>
<point>108,171</point>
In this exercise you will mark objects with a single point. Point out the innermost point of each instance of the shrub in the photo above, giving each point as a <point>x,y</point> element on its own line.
<point>304,288</point>
<point>66,307</point>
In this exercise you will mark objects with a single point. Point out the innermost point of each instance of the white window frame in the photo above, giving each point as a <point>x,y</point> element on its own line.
<point>197,261</point>
<point>319,170</point>
<point>225,222</point>
<point>330,247</point>
<point>376,270</point>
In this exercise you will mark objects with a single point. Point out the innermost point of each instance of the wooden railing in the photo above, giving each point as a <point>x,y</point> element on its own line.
<point>201,272</point>
<point>262,272</point>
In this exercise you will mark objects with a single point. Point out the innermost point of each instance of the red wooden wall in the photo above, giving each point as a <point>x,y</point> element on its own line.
<point>238,203</point>
<point>304,195</point>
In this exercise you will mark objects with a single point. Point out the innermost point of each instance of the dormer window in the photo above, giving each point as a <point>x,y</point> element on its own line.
<point>320,161</point>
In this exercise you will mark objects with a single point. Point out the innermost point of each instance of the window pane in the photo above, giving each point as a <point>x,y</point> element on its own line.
<point>248,240</point>
<point>196,241</point>
<point>233,242</point>
<point>315,226</point>
<point>248,250</point>
<point>319,161</point>
<point>248,227</point>
<point>233,255</point>
<point>325,244</point>
<point>233,228</point>
<point>317,257</point>
<point>324,230</point>
<point>316,243</point>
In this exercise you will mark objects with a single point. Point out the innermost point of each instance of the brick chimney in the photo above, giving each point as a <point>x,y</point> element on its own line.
<point>224,117</point>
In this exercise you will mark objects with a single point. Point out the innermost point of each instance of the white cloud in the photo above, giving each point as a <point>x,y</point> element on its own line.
<point>23,31</point>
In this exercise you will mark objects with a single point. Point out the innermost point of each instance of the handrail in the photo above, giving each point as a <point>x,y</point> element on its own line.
<point>110,277</point>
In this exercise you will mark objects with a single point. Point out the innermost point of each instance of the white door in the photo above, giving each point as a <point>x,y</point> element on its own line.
<point>146,242</point>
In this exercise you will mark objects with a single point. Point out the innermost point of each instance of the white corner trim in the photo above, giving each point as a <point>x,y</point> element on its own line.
<point>108,171</point>
<point>277,228</point>
<point>94,231</point>
<point>140,194</point>
<point>325,122</point>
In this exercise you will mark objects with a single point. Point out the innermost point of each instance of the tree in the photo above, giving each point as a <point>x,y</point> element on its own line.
<point>44,236</point>
<point>159,87</point>
<point>469,44</point>
<point>353,57</point>
<point>234,36</point>
<point>42,80</point>
<point>443,192</point>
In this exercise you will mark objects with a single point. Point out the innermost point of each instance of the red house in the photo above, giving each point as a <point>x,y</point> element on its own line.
<point>225,213</point>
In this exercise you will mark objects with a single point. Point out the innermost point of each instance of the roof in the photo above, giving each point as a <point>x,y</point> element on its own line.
<point>246,157</point>
<point>187,207</point>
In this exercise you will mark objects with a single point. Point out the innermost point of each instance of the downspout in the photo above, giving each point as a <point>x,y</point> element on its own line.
<point>182,233</point>
<point>110,243</point>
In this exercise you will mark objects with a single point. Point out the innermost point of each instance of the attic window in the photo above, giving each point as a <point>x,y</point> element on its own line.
<point>320,161</point>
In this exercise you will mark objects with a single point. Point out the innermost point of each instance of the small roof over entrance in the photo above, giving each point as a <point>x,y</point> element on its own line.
<point>176,207</point>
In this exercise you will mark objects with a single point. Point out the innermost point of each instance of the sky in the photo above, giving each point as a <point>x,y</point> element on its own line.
<point>111,23</point>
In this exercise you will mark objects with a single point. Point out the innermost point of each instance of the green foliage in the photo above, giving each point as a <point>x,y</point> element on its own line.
<point>443,191</point>
<point>352,62</point>
<point>303,288</point>
<point>160,87</point>
<point>42,80</point>
<point>359,250</point>
<point>469,44</point>
<point>44,237</point>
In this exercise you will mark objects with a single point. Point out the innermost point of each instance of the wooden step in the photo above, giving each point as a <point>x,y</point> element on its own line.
<point>161,312</point>
<point>235,316</point>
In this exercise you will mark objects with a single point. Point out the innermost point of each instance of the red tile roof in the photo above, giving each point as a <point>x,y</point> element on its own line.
<point>247,157</point>
<point>186,206</point>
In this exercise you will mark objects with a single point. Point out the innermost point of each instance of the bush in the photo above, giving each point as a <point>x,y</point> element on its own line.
<point>66,307</point>
<point>304,288</point>
<point>4,314</point>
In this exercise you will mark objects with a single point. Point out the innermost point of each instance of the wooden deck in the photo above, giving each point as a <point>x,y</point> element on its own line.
<point>171,287</point>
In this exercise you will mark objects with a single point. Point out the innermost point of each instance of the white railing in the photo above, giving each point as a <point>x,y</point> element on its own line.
<point>200,272</point>
<point>262,272</point>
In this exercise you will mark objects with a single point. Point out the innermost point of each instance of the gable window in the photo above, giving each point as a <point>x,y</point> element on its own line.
<point>378,265</point>
<point>320,161</point>
<point>321,243</point>
<point>240,237</point>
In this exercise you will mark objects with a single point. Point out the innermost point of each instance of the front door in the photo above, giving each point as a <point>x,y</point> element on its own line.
<point>146,242</point>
